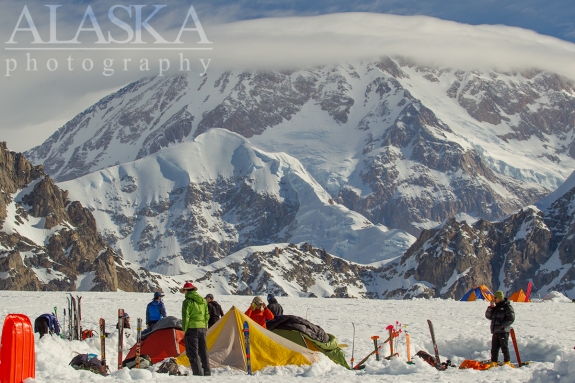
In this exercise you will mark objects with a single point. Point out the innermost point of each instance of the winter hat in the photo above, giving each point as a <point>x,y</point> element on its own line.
<point>257,301</point>
<point>270,296</point>
<point>188,286</point>
<point>499,294</point>
<point>158,294</point>
<point>126,315</point>
<point>209,296</point>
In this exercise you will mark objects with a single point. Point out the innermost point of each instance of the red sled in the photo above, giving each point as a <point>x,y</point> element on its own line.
<point>17,356</point>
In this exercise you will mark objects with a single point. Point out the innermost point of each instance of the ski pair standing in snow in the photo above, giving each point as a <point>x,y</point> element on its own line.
<point>501,314</point>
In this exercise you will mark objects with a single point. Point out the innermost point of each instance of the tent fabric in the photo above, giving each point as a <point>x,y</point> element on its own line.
<point>167,322</point>
<point>225,341</point>
<point>479,292</point>
<point>518,296</point>
<point>161,344</point>
<point>292,322</point>
<point>330,349</point>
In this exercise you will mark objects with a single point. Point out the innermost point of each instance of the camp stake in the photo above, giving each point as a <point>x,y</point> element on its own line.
<point>408,346</point>
<point>375,338</point>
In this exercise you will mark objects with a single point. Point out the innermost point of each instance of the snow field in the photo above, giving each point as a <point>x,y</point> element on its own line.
<point>543,329</point>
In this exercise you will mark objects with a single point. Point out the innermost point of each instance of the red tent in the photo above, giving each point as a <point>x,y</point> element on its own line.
<point>161,344</point>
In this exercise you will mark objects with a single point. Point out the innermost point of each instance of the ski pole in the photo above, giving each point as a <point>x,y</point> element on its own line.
<point>375,338</point>
<point>352,344</point>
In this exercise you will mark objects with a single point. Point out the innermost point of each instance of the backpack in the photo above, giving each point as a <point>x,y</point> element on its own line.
<point>169,367</point>
<point>145,362</point>
<point>87,334</point>
<point>88,362</point>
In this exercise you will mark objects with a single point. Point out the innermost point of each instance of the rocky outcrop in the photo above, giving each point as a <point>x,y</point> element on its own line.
<point>529,245</point>
<point>63,247</point>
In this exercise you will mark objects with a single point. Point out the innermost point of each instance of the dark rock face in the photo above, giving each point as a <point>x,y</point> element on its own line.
<point>71,248</point>
<point>530,245</point>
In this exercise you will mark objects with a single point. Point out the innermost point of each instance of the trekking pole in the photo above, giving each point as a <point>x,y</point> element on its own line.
<point>375,338</point>
<point>352,344</point>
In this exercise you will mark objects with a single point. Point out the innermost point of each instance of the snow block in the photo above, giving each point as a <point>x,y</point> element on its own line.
<point>17,356</point>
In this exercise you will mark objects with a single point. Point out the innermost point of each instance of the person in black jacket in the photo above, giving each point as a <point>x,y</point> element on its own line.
<point>501,314</point>
<point>214,309</point>
<point>274,306</point>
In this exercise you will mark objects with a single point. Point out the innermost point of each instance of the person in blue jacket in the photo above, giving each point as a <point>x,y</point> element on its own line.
<point>47,323</point>
<point>155,310</point>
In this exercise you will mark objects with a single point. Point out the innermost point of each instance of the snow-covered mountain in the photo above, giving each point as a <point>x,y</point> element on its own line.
<point>197,202</point>
<point>403,144</point>
<point>49,242</point>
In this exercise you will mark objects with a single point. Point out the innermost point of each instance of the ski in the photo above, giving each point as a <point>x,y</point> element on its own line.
<point>79,319</point>
<point>375,338</point>
<point>514,340</point>
<point>120,337</point>
<point>64,325</point>
<point>353,344</point>
<point>103,345</point>
<point>437,360</point>
<point>138,342</point>
<point>247,346</point>
<point>75,334</point>
<point>69,319</point>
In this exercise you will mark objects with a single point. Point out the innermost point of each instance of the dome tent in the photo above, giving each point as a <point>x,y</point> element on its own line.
<point>479,292</point>
<point>225,341</point>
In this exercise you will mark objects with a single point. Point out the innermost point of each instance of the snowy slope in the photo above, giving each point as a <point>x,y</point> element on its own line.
<point>404,144</point>
<point>199,201</point>
<point>462,332</point>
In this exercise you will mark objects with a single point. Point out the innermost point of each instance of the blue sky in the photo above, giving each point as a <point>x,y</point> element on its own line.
<point>555,18</point>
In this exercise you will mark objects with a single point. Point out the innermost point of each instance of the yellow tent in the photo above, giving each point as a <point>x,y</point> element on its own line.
<point>226,346</point>
<point>518,296</point>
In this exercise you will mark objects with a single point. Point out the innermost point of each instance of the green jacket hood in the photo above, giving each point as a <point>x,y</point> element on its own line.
<point>193,295</point>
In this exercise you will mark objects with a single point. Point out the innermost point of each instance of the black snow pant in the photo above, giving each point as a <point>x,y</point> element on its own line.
<point>41,325</point>
<point>197,351</point>
<point>500,340</point>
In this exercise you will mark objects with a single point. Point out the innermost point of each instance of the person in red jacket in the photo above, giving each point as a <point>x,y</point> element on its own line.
<point>258,312</point>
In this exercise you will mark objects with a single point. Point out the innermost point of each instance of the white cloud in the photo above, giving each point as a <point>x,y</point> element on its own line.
<point>44,99</point>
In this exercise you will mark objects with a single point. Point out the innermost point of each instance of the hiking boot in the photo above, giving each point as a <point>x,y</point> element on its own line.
<point>509,364</point>
<point>494,364</point>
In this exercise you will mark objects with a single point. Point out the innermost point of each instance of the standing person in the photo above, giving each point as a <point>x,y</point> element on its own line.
<point>274,306</point>
<point>155,310</point>
<point>214,309</point>
<point>501,314</point>
<point>259,312</point>
<point>195,319</point>
<point>47,323</point>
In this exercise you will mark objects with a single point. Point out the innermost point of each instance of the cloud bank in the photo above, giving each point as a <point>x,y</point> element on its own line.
<point>34,104</point>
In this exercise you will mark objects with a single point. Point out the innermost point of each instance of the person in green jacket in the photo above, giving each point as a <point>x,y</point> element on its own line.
<point>195,318</point>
